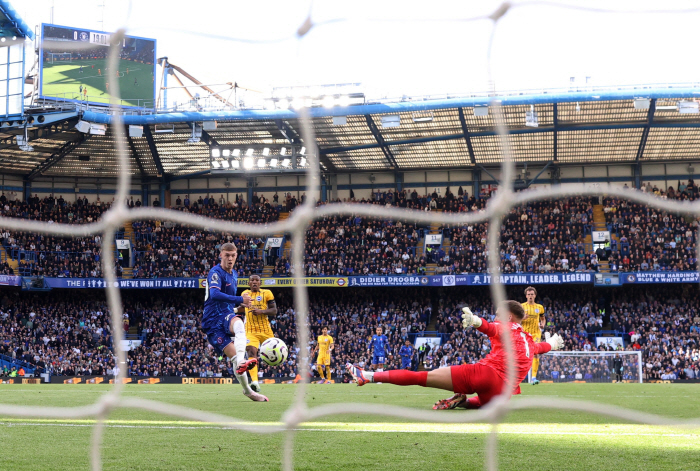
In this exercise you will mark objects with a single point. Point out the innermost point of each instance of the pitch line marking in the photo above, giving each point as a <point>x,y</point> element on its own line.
<point>505,429</point>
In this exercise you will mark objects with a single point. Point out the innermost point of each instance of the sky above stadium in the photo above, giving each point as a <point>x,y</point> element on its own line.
<point>400,48</point>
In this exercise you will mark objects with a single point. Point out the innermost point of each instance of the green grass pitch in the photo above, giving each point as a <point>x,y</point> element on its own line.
<point>64,79</point>
<point>533,439</point>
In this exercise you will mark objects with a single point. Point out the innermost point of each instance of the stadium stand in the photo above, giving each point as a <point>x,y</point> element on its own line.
<point>67,333</point>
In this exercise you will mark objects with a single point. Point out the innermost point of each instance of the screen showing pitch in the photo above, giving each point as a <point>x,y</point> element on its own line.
<point>73,66</point>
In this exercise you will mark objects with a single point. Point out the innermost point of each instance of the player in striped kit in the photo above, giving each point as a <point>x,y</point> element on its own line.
<point>533,324</point>
<point>486,378</point>
<point>257,322</point>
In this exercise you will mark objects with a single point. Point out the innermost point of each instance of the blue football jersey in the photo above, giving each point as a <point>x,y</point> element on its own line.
<point>219,279</point>
<point>379,345</point>
<point>406,352</point>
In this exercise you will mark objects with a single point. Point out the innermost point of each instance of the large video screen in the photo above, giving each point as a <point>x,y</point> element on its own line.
<point>73,66</point>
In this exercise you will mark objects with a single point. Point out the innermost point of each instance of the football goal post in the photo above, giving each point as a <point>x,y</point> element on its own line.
<point>59,57</point>
<point>591,367</point>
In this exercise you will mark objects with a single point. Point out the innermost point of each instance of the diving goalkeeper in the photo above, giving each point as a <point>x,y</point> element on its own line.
<point>485,378</point>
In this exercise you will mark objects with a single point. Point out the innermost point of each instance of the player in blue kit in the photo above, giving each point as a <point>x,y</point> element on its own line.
<point>378,349</point>
<point>220,322</point>
<point>406,354</point>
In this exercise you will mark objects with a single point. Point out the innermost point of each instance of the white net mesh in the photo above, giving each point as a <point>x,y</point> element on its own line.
<point>299,412</point>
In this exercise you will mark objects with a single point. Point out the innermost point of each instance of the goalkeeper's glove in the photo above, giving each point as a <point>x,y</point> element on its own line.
<point>469,319</point>
<point>556,341</point>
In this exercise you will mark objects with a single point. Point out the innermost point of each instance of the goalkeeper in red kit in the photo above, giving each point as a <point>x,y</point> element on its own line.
<point>485,378</point>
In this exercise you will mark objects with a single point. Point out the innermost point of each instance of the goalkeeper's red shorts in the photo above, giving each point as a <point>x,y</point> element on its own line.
<point>476,378</point>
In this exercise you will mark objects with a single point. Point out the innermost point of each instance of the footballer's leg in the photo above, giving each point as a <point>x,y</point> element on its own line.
<point>252,351</point>
<point>319,368</point>
<point>440,378</point>
<point>236,351</point>
<point>535,367</point>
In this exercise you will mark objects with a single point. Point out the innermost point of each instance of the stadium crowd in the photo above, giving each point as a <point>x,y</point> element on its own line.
<point>68,333</point>
<point>544,236</point>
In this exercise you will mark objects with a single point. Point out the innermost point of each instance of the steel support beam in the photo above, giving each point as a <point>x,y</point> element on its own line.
<point>135,155</point>
<point>57,156</point>
<point>555,123</point>
<point>541,172</point>
<point>380,141</point>
<point>467,137</point>
<point>645,133</point>
<point>208,139</point>
<point>487,172</point>
<point>450,137</point>
<point>154,151</point>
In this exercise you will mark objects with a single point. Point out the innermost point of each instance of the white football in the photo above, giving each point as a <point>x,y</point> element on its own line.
<point>273,351</point>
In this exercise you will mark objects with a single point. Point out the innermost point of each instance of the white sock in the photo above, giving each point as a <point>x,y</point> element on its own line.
<point>243,379</point>
<point>370,376</point>
<point>239,341</point>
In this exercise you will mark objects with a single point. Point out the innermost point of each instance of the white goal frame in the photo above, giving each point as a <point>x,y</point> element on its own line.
<point>53,55</point>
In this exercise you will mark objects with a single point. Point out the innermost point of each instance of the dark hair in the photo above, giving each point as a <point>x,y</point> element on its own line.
<point>254,276</point>
<point>515,308</point>
<point>530,288</point>
<point>228,247</point>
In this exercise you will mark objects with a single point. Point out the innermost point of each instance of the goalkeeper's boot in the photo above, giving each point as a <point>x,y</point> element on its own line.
<point>246,365</point>
<point>535,381</point>
<point>451,403</point>
<point>321,382</point>
<point>255,386</point>
<point>255,397</point>
<point>358,374</point>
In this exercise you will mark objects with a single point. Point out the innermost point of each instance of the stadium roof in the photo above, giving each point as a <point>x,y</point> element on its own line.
<point>11,24</point>
<point>573,128</point>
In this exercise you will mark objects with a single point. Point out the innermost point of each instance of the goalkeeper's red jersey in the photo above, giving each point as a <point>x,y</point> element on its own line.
<point>524,350</point>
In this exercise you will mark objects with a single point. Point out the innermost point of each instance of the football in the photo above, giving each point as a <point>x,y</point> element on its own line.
<point>273,351</point>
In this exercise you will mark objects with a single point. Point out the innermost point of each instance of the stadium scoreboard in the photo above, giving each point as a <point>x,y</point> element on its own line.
<point>73,67</point>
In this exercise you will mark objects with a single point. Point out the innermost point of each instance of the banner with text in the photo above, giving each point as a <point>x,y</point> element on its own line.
<point>136,283</point>
<point>10,280</point>
<point>660,277</point>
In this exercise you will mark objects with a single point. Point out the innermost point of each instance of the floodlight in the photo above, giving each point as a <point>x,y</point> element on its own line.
<point>226,152</point>
<point>235,164</point>
<point>283,151</point>
<point>266,151</point>
<point>328,101</point>
<point>344,100</point>
<point>249,152</point>
<point>297,103</point>
<point>224,163</point>
<point>273,162</point>
<point>302,162</point>
<point>248,163</point>
<point>283,104</point>
<point>286,162</point>
<point>261,163</point>
<point>302,151</point>
<point>236,152</point>
<point>2,39</point>
<point>215,152</point>
<point>308,102</point>
<point>215,164</point>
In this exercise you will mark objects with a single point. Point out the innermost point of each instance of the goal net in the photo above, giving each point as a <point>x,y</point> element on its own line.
<point>591,367</point>
<point>301,410</point>
<point>59,57</point>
